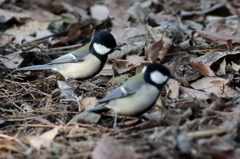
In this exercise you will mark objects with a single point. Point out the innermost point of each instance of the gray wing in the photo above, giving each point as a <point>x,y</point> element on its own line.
<point>72,57</point>
<point>127,89</point>
<point>98,108</point>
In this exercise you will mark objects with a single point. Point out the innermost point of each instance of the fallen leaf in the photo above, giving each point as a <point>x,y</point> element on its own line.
<point>215,50</point>
<point>66,90</point>
<point>235,66</point>
<point>152,52</point>
<point>215,85</point>
<point>89,102</point>
<point>214,57</point>
<point>99,12</point>
<point>27,30</point>
<point>120,16</point>
<point>218,38</point>
<point>7,15</point>
<point>187,93</point>
<point>109,148</point>
<point>12,60</point>
<point>154,35</point>
<point>50,135</point>
<point>173,86</point>
<point>202,68</point>
<point>44,140</point>
<point>222,68</point>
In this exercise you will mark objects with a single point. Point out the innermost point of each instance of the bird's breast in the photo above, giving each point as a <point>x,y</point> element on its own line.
<point>80,70</point>
<point>137,103</point>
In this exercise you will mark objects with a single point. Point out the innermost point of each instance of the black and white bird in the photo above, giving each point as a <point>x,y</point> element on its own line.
<point>138,94</point>
<point>85,62</point>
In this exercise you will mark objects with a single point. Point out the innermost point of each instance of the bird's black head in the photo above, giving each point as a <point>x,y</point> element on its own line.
<point>156,74</point>
<point>103,43</point>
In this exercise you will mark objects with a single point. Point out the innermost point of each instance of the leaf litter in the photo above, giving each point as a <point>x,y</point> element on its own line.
<point>196,115</point>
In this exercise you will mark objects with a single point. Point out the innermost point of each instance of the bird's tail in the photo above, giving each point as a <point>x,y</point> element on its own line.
<point>98,108</point>
<point>36,67</point>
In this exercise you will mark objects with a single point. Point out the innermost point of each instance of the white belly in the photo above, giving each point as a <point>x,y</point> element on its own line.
<point>136,103</point>
<point>80,70</point>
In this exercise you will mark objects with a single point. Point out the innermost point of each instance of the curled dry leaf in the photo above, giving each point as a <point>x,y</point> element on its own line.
<point>202,68</point>
<point>213,57</point>
<point>235,66</point>
<point>152,52</point>
<point>155,35</point>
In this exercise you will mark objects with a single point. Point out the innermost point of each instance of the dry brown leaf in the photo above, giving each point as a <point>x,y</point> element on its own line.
<point>173,86</point>
<point>89,102</point>
<point>152,52</point>
<point>202,68</point>
<point>214,57</point>
<point>206,84</point>
<point>109,148</point>
<point>73,33</point>
<point>155,35</point>
<point>218,27</point>
<point>115,11</point>
<point>134,60</point>
<point>215,50</point>
<point>218,38</point>
<point>215,85</point>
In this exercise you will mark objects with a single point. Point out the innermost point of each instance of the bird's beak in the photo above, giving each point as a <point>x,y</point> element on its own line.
<point>117,48</point>
<point>171,76</point>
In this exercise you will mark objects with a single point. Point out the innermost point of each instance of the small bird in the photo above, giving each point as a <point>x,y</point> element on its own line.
<point>85,62</point>
<point>138,94</point>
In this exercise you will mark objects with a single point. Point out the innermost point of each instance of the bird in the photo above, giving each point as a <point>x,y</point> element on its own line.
<point>83,63</point>
<point>138,94</point>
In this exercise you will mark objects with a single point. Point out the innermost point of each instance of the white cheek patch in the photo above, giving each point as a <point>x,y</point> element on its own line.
<point>144,69</point>
<point>100,49</point>
<point>157,77</point>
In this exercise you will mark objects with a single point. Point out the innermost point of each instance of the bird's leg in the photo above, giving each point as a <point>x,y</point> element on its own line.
<point>115,122</point>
